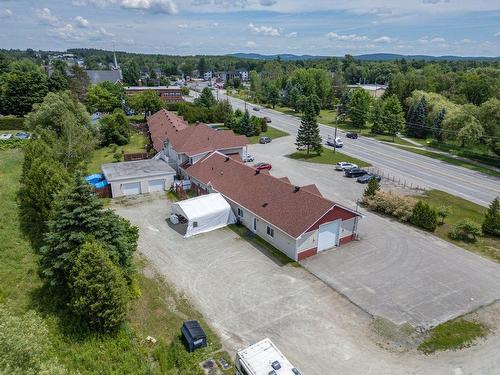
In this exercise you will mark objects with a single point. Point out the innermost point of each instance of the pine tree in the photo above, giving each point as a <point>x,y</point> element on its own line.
<point>491,223</point>
<point>424,216</point>
<point>206,98</point>
<point>438,125</point>
<point>98,290</point>
<point>372,188</point>
<point>308,134</point>
<point>246,127</point>
<point>417,121</point>
<point>376,117</point>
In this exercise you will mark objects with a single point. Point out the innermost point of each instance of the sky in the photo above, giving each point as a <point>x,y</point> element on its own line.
<point>213,27</point>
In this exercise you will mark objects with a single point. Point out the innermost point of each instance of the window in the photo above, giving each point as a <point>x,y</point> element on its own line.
<point>270,231</point>
<point>240,212</point>
<point>195,224</point>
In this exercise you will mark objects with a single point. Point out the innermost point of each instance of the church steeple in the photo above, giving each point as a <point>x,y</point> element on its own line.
<point>116,67</point>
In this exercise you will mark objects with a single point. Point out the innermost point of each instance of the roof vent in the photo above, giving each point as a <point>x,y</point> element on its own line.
<point>276,365</point>
<point>257,171</point>
<point>296,189</point>
<point>264,205</point>
<point>227,158</point>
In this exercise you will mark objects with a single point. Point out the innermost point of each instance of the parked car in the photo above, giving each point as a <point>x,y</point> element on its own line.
<point>367,177</point>
<point>264,140</point>
<point>263,166</point>
<point>352,135</point>
<point>22,135</point>
<point>355,172</point>
<point>343,166</point>
<point>5,136</point>
<point>256,108</point>
<point>267,119</point>
<point>247,158</point>
<point>335,142</point>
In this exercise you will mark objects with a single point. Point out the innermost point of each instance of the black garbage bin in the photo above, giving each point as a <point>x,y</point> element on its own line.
<point>193,335</point>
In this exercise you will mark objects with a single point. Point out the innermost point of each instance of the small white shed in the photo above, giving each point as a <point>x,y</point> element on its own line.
<point>204,213</point>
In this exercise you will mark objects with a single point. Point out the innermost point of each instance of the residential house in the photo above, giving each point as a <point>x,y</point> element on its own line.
<point>374,90</point>
<point>228,75</point>
<point>169,94</point>
<point>297,220</point>
<point>183,145</point>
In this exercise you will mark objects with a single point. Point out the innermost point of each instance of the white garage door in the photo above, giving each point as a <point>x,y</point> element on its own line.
<point>328,235</point>
<point>156,185</point>
<point>131,188</point>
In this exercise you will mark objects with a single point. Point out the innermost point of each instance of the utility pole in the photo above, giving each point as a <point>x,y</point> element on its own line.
<point>336,123</point>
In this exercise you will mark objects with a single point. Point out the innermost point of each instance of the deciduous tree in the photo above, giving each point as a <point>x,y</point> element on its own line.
<point>359,107</point>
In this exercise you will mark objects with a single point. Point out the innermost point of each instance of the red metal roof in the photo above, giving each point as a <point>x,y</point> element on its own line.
<point>273,199</point>
<point>190,140</point>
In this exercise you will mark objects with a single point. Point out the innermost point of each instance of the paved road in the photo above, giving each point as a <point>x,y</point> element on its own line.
<point>415,169</point>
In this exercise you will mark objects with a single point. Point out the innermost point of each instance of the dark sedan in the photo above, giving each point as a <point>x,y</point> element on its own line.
<point>352,135</point>
<point>264,140</point>
<point>355,172</point>
<point>367,177</point>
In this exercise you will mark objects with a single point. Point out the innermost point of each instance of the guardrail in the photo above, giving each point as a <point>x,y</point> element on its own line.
<point>395,179</point>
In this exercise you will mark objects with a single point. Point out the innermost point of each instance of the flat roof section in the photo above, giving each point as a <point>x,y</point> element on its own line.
<point>259,358</point>
<point>136,169</point>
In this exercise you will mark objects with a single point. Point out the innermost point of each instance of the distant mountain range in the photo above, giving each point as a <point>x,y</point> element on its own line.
<point>367,57</point>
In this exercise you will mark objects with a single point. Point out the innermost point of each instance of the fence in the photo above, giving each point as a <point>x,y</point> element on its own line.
<point>136,156</point>
<point>395,180</point>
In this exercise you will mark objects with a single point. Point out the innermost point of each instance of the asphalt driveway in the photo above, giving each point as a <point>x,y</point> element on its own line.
<point>396,271</point>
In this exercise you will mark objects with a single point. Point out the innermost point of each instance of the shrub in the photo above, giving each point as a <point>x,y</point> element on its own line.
<point>491,223</point>
<point>392,204</point>
<point>98,289</point>
<point>443,212</point>
<point>11,123</point>
<point>465,230</point>
<point>424,216</point>
<point>372,188</point>
<point>8,144</point>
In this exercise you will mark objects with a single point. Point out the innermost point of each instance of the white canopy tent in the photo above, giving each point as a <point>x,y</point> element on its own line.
<point>204,213</point>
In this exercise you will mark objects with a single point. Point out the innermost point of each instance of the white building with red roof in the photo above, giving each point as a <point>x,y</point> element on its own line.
<point>298,221</point>
<point>185,145</point>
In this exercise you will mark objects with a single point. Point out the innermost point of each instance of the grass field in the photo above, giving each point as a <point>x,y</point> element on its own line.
<point>106,154</point>
<point>460,209</point>
<point>453,335</point>
<point>327,157</point>
<point>158,312</point>
<point>272,133</point>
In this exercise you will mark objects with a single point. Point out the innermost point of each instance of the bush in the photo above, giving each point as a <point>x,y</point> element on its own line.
<point>11,123</point>
<point>25,346</point>
<point>98,289</point>
<point>392,204</point>
<point>372,188</point>
<point>424,216</point>
<point>465,230</point>
<point>443,212</point>
<point>491,223</point>
<point>8,144</point>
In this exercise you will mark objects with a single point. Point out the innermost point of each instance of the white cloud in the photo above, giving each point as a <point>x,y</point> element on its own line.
<point>251,44</point>
<point>182,26</point>
<point>437,40</point>
<point>45,15</point>
<point>81,22</point>
<point>293,34</point>
<point>6,13</point>
<point>466,40</point>
<point>346,38</point>
<point>153,6</point>
<point>267,3</point>
<point>384,40</point>
<point>97,3</point>
<point>264,30</point>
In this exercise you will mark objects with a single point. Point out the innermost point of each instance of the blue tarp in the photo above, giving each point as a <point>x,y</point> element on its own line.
<point>101,184</point>
<point>94,178</point>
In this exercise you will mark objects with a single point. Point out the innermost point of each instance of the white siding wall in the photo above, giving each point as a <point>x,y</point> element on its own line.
<point>117,191</point>
<point>347,227</point>
<point>307,241</point>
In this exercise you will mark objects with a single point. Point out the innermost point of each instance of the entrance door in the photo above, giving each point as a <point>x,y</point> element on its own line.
<point>131,188</point>
<point>328,235</point>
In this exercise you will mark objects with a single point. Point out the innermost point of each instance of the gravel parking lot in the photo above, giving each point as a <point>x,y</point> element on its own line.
<point>396,271</point>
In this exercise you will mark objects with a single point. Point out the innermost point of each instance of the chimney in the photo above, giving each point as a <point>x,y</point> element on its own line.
<point>227,158</point>
<point>264,205</point>
<point>296,189</point>
<point>257,172</point>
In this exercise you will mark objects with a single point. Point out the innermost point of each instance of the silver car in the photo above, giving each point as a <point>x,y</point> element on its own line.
<point>247,158</point>
<point>343,166</point>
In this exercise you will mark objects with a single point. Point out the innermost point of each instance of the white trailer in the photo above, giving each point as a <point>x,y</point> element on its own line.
<point>263,358</point>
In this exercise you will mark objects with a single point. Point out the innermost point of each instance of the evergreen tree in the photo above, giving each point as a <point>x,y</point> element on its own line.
<point>424,216</point>
<point>206,98</point>
<point>491,223</point>
<point>393,115</point>
<point>438,125</point>
<point>416,125</point>
<point>98,290</point>
<point>359,107</point>
<point>230,121</point>
<point>78,214</point>
<point>372,188</point>
<point>245,126</point>
<point>376,117</point>
<point>308,137</point>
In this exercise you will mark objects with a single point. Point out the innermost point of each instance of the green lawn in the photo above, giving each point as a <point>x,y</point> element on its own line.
<point>272,133</point>
<point>453,335</point>
<point>105,154</point>
<point>263,245</point>
<point>460,209</point>
<point>451,160</point>
<point>327,157</point>
<point>158,312</point>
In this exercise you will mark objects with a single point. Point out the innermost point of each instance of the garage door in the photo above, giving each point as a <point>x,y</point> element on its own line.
<point>156,185</point>
<point>328,235</point>
<point>131,188</point>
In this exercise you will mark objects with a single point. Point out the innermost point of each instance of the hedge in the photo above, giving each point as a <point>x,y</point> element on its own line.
<point>11,123</point>
<point>7,144</point>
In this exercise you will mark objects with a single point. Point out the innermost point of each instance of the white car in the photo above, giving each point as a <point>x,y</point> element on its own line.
<point>343,166</point>
<point>247,158</point>
<point>335,142</point>
<point>5,136</point>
